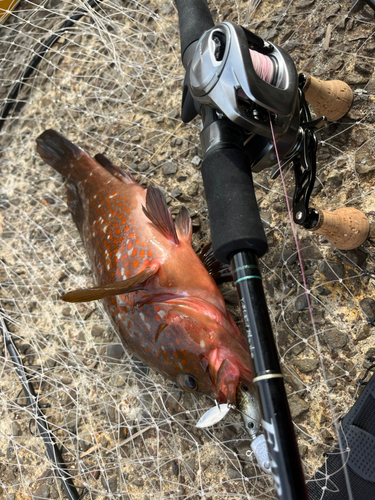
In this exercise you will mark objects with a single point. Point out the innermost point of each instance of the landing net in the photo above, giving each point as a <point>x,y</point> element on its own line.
<point>112,83</point>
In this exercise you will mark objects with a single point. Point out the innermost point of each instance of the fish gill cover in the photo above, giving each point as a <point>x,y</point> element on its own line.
<point>112,84</point>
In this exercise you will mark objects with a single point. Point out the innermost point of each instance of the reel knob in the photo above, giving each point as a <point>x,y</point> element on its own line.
<point>331,99</point>
<point>345,228</point>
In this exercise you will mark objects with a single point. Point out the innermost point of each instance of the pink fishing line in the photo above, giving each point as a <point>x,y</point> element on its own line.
<point>263,66</point>
<point>335,420</point>
<point>293,229</point>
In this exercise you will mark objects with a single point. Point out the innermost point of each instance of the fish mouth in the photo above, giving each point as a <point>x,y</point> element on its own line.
<point>226,358</point>
<point>227,374</point>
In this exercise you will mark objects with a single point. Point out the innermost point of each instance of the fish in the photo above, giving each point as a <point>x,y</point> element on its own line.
<point>160,298</point>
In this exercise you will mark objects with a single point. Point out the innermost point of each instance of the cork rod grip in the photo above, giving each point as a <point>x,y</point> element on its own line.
<point>345,228</point>
<point>331,99</point>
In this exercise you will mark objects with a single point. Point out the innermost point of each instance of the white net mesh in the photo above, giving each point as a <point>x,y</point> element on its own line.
<point>112,83</point>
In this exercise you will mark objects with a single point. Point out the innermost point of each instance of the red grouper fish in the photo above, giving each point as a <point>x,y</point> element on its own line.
<point>161,299</point>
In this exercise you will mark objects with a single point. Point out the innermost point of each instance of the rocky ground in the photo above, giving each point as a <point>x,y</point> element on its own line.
<point>113,85</point>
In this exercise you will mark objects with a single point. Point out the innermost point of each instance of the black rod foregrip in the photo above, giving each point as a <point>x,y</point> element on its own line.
<point>234,215</point>
<point>194,19</point>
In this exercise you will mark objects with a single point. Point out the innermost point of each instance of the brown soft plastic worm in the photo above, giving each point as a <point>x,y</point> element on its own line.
<point>331,99</point>
<point>345,228</point>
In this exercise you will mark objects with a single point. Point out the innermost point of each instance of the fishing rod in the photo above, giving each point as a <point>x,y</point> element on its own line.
<point>237,233</point>
<point>254,111</point>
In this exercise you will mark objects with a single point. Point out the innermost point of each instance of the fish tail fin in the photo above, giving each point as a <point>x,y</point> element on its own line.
<point>58,151</point>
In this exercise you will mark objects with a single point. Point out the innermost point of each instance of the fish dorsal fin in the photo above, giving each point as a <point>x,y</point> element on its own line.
<point>109,290</point>
<point>183,224</point>
<point>114,169</point>
<point>158,212</point>
<point>219,271</point>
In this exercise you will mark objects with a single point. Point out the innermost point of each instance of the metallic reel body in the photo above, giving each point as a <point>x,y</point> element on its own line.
<point>222,75</point>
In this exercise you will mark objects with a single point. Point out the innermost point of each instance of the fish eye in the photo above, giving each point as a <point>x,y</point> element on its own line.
<point>188,382</point>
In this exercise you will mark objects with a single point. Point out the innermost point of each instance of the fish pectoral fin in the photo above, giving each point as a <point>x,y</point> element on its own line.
<point>109,290</point>
<point>219,271</point>
<point>159,214</point>
<point>183,224</point>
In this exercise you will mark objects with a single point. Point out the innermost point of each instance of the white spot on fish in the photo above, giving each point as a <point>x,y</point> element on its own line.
<point>142,316</point>
<point>162,313</point>
<point>95,196</point>
<point>108,267</point>
<point>105,229</point>
<point>202,343</point>
<point>148,326</point>
<point>118,254</point>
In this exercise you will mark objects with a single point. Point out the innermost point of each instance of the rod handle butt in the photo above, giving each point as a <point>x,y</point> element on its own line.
<point>345,228</point>
<point>331,99</point>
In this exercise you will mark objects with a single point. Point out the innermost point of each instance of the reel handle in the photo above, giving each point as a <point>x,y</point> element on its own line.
<point>331,99</point>
<point>345,228</point>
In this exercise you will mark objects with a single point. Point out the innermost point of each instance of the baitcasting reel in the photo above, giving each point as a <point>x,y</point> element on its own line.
<point>252,82</point>
<point>235,75</point>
